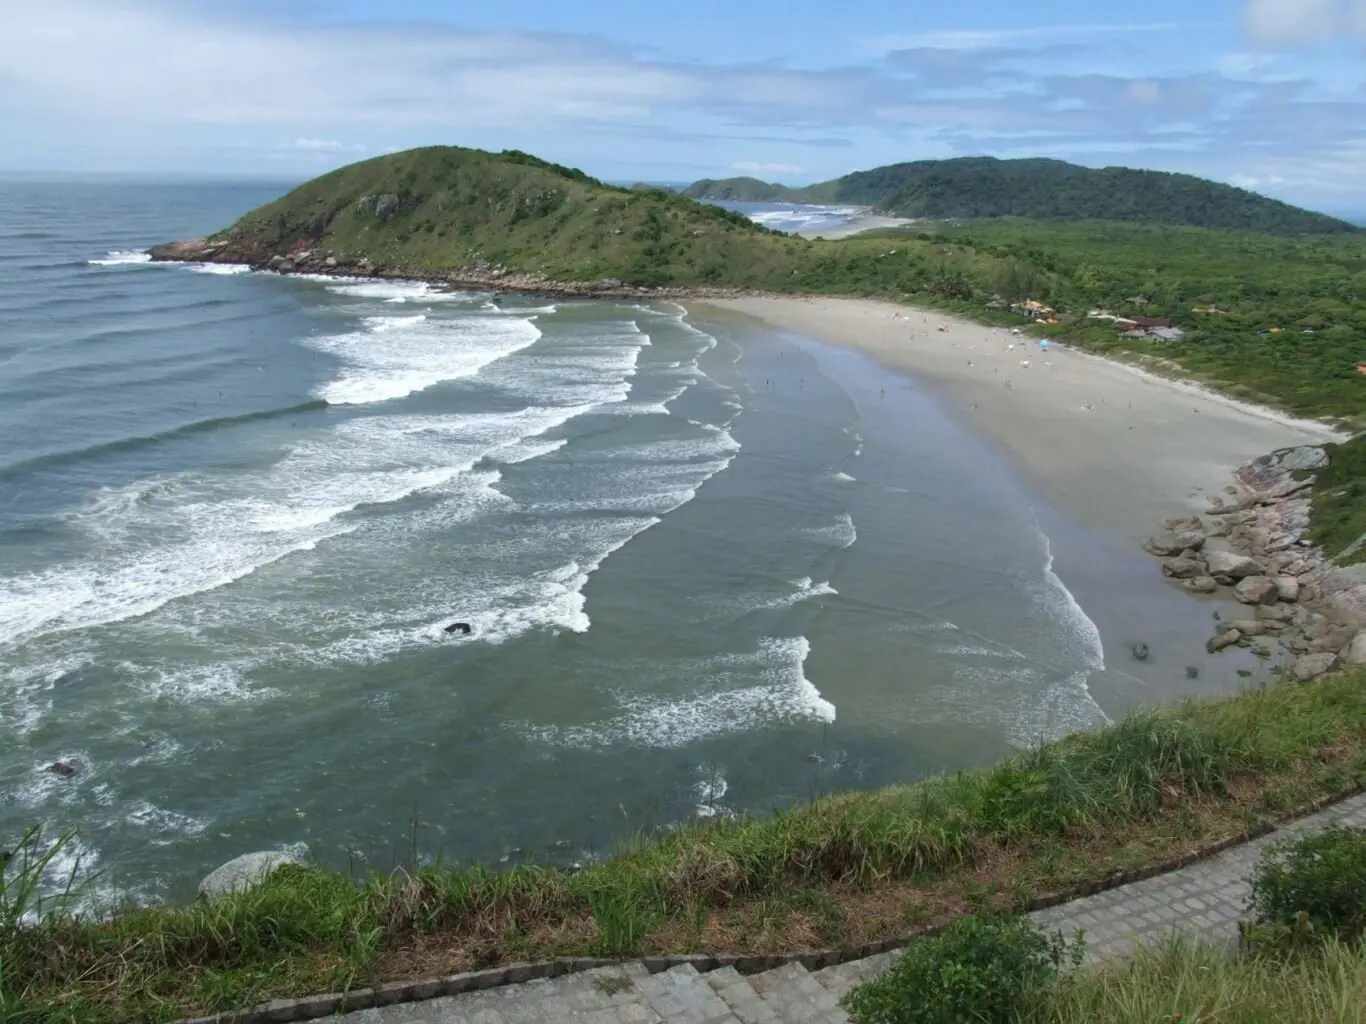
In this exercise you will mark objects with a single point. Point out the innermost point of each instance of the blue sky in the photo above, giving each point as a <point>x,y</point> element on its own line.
<point>1268,94</point>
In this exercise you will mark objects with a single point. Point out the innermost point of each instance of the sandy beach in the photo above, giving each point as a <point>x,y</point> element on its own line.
<point>1111,446</point>
<point>864,222</point>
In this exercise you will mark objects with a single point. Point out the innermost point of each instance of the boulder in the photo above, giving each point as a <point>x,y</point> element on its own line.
<point>1172,544</point>
<point>1311,666</point>
<point>331,261</point>
<point>62,768</point>
<point>1200,585</point>
<point>1302,459</point>
<point>1232,565</point>
<point>1255,590</point>
<point>1227,638</point>
<point>1183,524</point>
<point>1287,588</point>
<point>1249,627</point>
<point>241,873</point>
<point>1186,567</point>
<point>1276,613</point>
<point>1355,652</point>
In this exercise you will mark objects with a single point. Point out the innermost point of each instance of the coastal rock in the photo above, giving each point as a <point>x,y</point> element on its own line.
<point>1183,524</point>
<point>1233,565</point>
<point>1168,546</point>
<point>1276,613</point>
<point>1355,652</point>
<point>1218,527</point>
<point>1301,459</point>
<point>1255,590</point>
<point>1311,666</point>
<point>1249,627</point>
<point>1201,585</point>
<point>1184,568</point>
<point>241,873</point>
<point>1227,638</point>
<point>1333,639</point>
<point>64,768</point>
<point>1287,588</point>
<point>331,261</point>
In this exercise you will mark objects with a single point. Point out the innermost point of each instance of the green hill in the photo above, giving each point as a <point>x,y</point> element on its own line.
<point>973,188</point>
<point>752,190</point>
<point>1291,332</point>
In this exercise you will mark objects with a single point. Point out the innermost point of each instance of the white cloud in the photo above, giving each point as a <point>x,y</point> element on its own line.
<point>1145,92</point>
<point>758,167</point>
<point>325,146</point>
<point>1282,22</point>
<point>985,39</point>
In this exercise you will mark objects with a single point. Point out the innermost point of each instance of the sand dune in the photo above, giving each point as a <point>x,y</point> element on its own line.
<point>1113,447</point>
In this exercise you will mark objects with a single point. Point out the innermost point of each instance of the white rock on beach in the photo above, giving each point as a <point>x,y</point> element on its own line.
<point>1232,565</point>
<point>241,873</point>
<point>1311,666</point>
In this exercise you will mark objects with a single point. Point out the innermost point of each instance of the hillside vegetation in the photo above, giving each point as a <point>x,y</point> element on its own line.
<point>972,188</point>
<point>1291,332</point>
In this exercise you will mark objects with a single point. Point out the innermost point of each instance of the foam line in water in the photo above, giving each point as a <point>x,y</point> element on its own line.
<point>394,291</point>
<point>397,356</point>
<point>766,688</point>
<point>122,257</point>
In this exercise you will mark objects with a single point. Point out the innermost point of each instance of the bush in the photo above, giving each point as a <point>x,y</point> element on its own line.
<point>978,969</point>
<point>1314,884</point>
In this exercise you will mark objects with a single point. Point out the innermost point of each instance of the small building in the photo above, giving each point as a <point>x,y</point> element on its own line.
<point>1033,309</point>
<point>1361,368</point>
<point>1167,333</point>
<point>1151,323</point>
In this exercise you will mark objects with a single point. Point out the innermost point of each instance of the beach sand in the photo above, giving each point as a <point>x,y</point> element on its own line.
<point>864,222</point>
<point>1112,447</point>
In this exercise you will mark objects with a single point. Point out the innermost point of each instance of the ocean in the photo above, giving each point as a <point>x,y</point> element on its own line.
<point>709,569</point>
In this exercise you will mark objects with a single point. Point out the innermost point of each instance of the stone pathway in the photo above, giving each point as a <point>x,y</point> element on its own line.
<point>1208,898</point>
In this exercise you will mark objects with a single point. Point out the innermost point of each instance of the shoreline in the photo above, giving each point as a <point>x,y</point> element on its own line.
<point>867,220</point>
<point>1109,444</point>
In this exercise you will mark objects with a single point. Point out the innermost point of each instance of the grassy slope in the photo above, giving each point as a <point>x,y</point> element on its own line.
<point>983,187</point>
<point>1338,520</point>
<point>848,869</point>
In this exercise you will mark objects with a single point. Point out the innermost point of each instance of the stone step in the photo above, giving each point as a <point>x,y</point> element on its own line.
<point>682,996</point>
<point>838,980</point>
<point>796,997</point>
<point>736,992</point>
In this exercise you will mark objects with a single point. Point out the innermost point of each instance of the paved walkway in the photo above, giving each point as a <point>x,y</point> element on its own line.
<point>1208,897</point>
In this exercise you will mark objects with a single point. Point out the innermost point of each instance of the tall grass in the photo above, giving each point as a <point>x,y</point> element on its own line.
<point>306,929</point>
<point>1182,981</point>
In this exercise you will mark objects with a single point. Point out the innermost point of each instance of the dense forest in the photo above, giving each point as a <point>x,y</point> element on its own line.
<point>973,188</point>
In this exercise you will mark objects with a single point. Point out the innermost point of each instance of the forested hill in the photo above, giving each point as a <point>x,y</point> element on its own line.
<point>975,188</point>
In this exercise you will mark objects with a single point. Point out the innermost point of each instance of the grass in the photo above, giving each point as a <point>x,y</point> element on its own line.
<point>1180,982</point>
<point>847,869</point>
<point>1338,518</point>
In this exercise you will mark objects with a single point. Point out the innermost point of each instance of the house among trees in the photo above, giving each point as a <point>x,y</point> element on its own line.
<point>1035,310</point>
<point>1361,368</point>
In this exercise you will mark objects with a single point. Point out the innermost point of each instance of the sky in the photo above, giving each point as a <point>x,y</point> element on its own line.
<point>1269,95</point>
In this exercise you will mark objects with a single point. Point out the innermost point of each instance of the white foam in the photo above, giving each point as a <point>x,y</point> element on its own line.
<point>841,532</point>
<point>397,356</point>
<point>844,478</point>
<point>121,257</point>
<point>783,696</point>
<point>219,269</point>
<point>165,827</point>
<point>393,291</point>
<point>709,790</point>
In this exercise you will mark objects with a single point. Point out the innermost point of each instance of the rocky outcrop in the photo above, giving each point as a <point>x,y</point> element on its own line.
<point>479,275</point>
<point>1254,542</point>
<point>241,873</point>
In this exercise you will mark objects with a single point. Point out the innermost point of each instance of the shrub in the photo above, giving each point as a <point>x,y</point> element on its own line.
<point>1312,885</point>
<point>978,969</point>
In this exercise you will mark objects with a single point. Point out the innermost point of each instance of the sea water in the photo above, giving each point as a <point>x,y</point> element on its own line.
<point>709,569</point>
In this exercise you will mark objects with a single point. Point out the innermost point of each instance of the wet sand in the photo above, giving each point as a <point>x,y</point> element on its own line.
<point>1114,448</point>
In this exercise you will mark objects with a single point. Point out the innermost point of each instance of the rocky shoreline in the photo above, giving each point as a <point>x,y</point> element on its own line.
<point>479,276</point>
<point>1252,545</point>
